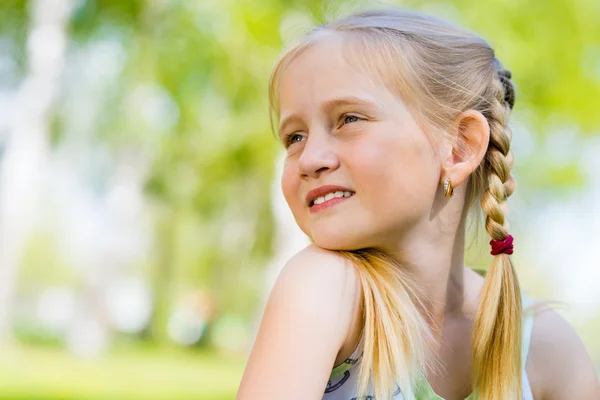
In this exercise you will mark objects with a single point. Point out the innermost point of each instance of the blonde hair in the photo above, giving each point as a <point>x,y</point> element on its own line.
<point>439,71</point>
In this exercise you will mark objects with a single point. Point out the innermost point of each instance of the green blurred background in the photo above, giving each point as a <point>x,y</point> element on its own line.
<point>141,226</point>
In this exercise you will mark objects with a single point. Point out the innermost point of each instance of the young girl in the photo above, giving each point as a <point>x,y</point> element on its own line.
<point>395,125</point>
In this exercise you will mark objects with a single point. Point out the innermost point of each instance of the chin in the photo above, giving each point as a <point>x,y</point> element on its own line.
<point>338,239</point>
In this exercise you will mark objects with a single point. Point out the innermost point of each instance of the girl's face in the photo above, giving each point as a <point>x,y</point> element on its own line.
<point>348,135</point>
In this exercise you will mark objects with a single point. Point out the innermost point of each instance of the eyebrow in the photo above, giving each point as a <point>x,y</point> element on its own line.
<point>330,104</point>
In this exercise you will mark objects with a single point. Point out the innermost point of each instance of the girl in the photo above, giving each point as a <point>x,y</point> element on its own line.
<point>395,125</point>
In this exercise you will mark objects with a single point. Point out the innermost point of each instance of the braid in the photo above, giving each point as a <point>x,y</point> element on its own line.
<point>499,157</point>
<point>497,327</point>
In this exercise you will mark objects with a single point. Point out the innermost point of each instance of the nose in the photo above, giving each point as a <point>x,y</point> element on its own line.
<point>318,156</point>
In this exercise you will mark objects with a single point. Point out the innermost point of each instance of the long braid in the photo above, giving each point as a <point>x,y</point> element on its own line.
<point>497,328</point>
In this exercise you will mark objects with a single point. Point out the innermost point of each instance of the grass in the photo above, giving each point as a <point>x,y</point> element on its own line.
<point>52,374</point>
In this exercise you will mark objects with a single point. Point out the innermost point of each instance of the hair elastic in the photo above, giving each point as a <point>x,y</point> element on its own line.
<point>502,246</point>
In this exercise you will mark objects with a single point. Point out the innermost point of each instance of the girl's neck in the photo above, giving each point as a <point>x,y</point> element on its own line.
<point>435,261</point>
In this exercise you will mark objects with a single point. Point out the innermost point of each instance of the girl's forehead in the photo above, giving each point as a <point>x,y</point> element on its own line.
<point>337,50</point>
<point>319,58</point>
<point>323,69</point>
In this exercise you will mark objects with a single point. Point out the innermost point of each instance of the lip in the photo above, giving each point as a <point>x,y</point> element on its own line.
<point>329,203</point>
<point>322,191</point>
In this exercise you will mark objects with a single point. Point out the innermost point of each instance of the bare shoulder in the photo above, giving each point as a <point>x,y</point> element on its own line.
<point>315,262</point>
<point>324,279</point>
<point>558,365</point>
<point>305,322</point>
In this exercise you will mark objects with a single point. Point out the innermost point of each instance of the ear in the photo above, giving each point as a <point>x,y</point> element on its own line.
<point>461,159</point>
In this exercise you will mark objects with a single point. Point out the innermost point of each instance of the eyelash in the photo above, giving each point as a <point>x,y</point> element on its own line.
<point>288,138</point>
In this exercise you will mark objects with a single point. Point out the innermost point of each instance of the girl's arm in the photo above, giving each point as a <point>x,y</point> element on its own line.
<point>559,364</point>
<point>305,323</point>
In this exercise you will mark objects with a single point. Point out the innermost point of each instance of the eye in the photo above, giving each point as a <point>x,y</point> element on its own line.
<point>293,138</point>
<point>348,118</point>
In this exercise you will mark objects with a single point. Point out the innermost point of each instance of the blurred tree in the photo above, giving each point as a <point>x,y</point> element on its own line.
<point>27,140</point>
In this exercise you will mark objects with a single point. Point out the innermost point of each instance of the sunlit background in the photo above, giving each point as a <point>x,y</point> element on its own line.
<point>141,226</point>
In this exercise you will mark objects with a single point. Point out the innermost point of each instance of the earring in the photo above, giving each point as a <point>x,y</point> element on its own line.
<point>448,190</point>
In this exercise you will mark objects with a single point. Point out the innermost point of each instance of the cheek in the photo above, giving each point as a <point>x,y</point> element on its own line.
<point>288,183</point>
<point>290,187</point>
<point>395,169</point>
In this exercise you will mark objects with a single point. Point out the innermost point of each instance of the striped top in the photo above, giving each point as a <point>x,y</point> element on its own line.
<point>343,381</point>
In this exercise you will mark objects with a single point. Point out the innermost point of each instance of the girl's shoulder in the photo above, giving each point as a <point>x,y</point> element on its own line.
<point>311,305</point>
<point>326,269</point>
<point>558,364</point>
<point>339,276</point>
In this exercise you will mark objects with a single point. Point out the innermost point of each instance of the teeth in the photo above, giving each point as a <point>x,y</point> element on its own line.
<point>329,196</point>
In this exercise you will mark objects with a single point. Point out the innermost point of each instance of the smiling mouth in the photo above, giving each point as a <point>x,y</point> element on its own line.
<point>331,196</point>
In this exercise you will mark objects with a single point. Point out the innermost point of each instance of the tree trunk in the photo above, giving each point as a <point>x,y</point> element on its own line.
<point>27,142</point>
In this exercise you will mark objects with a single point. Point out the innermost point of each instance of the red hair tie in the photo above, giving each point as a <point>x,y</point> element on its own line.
<point>502,246</point>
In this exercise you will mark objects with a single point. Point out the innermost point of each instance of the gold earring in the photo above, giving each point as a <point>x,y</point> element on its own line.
<point>448,190</point>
